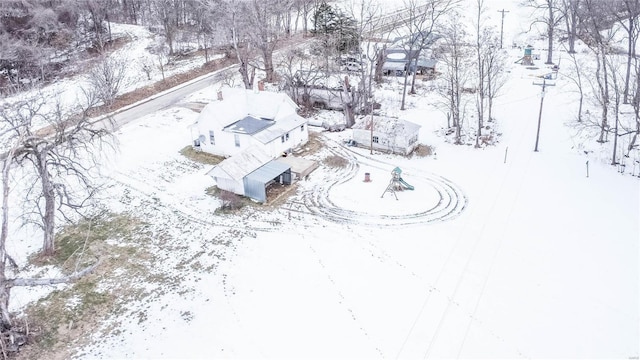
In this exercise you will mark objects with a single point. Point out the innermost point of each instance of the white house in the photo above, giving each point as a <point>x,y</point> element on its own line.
<point>241,118</point>
<point>389,134</point>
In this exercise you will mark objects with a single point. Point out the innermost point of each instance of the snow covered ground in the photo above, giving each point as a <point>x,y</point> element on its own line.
<point>532,259</point>
<point>527,258</point>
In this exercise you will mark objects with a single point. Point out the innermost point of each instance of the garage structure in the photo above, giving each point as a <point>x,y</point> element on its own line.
<point>256,183</point>
<point>250,172</point>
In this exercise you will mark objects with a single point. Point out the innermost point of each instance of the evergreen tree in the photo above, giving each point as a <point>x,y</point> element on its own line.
<point>338,30</point>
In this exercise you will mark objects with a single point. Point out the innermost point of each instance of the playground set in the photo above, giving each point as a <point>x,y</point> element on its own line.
<point>396,183</point>
<point>528,57</point>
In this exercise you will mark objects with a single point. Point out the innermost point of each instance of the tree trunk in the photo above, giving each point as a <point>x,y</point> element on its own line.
<point>605,98</point>
<point>49,195</point>
<point>404,88</point>
<point>550,42</point>
<point>615,141</point>
<point>267,57</point>
<point>5,318</point>
<point>490,96</point>
<point>630,55</point>
<point>571,31</point>
<point>349,103</point>
<point>380,64</point>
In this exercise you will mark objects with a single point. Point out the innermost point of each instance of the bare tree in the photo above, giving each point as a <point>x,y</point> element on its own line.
<point>265,19</point>
<point>304,9</point>
<point>570,10</point>
<point>206,12</point>
<point>635,103</point>
<point>628,19</point>
<point>11,337</point>
<point>98,16</point>
<point>616,79</point>
<point>421,19</point>
<point>165,11</point>
<point>373,37</point>
<point>481,50</point>
<point>63,150</point>
<point>455,54</point>
<point>599,41</point>
<point>107,78</point>
<point>496,78</point>
<point>239,27</point>
<point>576,77</point>
<point>547,12</point>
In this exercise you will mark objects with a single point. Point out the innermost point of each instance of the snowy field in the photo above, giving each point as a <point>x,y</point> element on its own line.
<point>486,258</point>
<point>530,258</point>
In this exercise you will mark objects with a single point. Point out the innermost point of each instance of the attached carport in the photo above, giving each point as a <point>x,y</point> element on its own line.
<point>256,183</point>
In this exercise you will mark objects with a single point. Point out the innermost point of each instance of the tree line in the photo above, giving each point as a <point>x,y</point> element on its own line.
<point>610,30</point>
<point>39,39</point>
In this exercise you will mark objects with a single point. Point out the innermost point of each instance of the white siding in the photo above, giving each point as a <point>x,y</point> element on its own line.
<point>398,145</point>
<point>230,185</point>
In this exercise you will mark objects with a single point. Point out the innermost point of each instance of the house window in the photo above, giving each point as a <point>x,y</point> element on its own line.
<point>375,139</point>
<point>301,127</point>
<point>212,138</point>
<point>236,137</point>
<point>286,137</point>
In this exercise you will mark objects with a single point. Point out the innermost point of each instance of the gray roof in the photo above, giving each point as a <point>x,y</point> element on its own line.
<point>249,125</point>
<point>427,63</point>
<point>241,164</point>
<point>268,171</point>
<point>281,127</point>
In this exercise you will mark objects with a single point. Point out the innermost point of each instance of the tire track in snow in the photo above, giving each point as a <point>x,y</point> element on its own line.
<point>148,190</point>
<point>478,262</point>
<point>343,302</point>
<point>451,199</point>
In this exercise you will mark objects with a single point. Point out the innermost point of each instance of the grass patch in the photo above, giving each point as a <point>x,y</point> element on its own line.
<point>200,156</point>
<point>335,161</point>
<point>423,150</point>
<point>238,202</point>
<point>312,146</point>
<point>66,316</point>
<point>88,236</point>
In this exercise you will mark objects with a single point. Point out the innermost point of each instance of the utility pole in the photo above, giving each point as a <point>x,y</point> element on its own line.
<point>502,25</point>
<point>544,85</point>
<point>371,146</point>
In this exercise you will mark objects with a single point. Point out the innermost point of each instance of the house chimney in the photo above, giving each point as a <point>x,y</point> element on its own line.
<point>260,85</point>
<point>220,95</point>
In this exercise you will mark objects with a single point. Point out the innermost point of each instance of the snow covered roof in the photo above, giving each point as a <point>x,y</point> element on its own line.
<point>386,125</point>
<point>280,128</point>
<point>236,104</point>
<point>393,65</point>
<point>241,164</point>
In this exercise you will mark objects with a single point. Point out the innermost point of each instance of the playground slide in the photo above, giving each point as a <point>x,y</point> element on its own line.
<point>409,187</point>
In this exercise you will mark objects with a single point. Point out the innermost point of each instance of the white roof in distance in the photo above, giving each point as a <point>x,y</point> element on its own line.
<point>386,125</point>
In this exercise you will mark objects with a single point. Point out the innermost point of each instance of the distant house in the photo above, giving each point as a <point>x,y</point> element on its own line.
<point>389,134</point>
<point>399,60</point>
<point>250,172</point>
<point>240,119</point>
